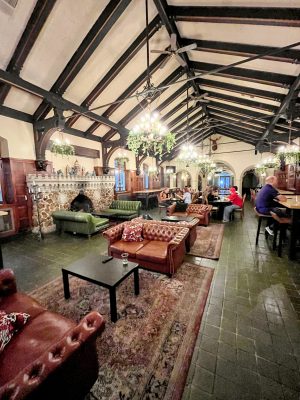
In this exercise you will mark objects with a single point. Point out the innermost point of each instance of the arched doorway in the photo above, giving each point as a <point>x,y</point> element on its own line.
<point>183,178</point>
<point>250,181</point>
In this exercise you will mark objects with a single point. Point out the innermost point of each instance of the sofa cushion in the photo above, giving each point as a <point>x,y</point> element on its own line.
<point>132,233</point>
<point>131,248</point>
<point>19,302</point>
<point>10,324</point>
<point>37,336</point>
<point>123,212</point>
<point>71,216</point>
<point>154,251</point>
<point>195,215</point>
<point>100,221</point>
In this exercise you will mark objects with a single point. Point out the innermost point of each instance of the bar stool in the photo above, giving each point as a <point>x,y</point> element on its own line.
<point>260,218</point>
<point>281,225</point>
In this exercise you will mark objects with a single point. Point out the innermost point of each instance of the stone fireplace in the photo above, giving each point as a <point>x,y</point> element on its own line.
<point>56,193</point>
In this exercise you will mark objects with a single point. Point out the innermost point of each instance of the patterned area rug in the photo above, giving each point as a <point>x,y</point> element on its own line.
<point>208,243</point>
<point>147,353</point>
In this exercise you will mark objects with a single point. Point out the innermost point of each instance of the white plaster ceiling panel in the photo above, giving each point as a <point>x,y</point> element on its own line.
<point>236,3</point>
<point>118,39</point>
<point>82,124</point>
<point>64,30</point>
<point>101,131</point>
<point>12,25</point>
<point>239,95</point>
<point>258,65</point>
<point>22,101</point>
<point>275,36</point>
<point>245,83</point>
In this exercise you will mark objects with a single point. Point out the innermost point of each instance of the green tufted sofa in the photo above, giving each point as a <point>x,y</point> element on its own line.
<point>124,209</point>
<point>78,222</point>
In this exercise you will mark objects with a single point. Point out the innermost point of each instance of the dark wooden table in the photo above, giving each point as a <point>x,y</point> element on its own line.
<point>174,218</point>
<point>221,204</point>
<point>109,275</point>
<point>294,205</point>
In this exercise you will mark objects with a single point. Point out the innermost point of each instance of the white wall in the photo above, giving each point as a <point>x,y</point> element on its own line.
<point>238,156</point>
<point>19,136</point>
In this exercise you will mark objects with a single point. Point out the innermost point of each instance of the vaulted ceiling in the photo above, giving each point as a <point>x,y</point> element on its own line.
<point>75,56</point>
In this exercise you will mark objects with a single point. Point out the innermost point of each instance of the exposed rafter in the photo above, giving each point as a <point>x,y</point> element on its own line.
<point>34,25</point>
<point>282,16</point>
<point>126,57</point>
<point>15,114</point>
<point>243,50</point>
<point>94,37</point>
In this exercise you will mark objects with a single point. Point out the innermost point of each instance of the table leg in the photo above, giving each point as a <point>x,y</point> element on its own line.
<point>113,304</point>
<point>293,239</point>
<point>147,202</point>
<point>136,282</point>
<point>66,284</point>
<point>1,258</point>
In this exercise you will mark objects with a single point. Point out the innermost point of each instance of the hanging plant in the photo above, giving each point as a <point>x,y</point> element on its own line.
<point>291,155</point>
<point>63,149</point>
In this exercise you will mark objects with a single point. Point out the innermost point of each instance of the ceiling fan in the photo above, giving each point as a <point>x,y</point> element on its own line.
<point>175,51</point>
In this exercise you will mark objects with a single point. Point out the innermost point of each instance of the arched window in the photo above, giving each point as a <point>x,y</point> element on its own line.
<point>146,176</point>
<point>120,176</point>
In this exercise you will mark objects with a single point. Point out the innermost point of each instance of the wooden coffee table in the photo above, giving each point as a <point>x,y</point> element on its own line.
<point>174,218</point>
<point>109,275</point>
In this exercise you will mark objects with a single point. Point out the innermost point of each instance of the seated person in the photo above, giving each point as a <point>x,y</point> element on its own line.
<point>165,197</point>
<point>237,202</point>
<point>265,198</point>
<point>82,203</point>
<point>186,197</point>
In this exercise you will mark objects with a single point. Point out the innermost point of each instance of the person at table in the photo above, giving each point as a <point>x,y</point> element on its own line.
<point>266,198</point>
<point>186,197</point>
<point>236,202</point>
<point>165,197</point>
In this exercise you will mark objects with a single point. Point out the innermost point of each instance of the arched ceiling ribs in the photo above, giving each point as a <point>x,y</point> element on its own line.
<point>94,37</point>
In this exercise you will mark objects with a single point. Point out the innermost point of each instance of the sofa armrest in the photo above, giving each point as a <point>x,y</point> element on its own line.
<point>53,358</point>
<point>171,209</point>
<point>176,249</point>
<point>179,237</point>
<point>7,282</point>
<point>115,233</point>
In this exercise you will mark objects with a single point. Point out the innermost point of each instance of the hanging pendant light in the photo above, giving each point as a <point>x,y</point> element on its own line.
<point>289,154</point>
<point>150,137</point>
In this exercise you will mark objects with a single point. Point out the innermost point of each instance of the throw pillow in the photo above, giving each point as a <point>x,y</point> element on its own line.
<point>132,233</point>
<point>9,325</point>
<point>181,207</point>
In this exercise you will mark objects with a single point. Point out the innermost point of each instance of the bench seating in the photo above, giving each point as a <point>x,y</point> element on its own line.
<point>124,209</point>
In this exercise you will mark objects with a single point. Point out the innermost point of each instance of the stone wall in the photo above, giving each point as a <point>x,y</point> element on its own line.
<point>57,193</point>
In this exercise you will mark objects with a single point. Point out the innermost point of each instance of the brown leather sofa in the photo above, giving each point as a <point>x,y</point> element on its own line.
<point>51,357</point>
<point>200,211</point>
<point>162,249</point>
<point>192,227</point>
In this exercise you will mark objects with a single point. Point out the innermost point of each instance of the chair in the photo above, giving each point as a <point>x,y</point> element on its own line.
<point>161,204</point>
<point>260,218</point>
<point>253,196</point>
<point>281,225</point>
<point>241,210</point>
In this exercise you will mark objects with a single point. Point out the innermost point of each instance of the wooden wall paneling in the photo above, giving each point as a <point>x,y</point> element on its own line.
<point>282,179</point>
<point>291,177</point>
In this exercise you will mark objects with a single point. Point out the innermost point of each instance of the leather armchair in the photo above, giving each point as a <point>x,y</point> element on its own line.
<point>200,211</point>
<point>51,357</point>
<point>162,249</point>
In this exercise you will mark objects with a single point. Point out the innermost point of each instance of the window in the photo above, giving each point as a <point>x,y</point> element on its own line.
<point>120,177</point>
<point>146,176</point>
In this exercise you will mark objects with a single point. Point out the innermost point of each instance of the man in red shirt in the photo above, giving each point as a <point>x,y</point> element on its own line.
<point>236,201</point>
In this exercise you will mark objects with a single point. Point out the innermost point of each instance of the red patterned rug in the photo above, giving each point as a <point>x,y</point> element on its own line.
<point>147,353</point>
<point>208,243</point>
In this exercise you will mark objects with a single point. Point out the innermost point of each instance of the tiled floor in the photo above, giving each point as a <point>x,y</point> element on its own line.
<point>249,342</point>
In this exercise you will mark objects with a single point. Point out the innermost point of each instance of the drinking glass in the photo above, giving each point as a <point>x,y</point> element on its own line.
<point>124,257</point>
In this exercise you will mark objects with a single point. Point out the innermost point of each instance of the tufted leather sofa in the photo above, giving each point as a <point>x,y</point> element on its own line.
<point>51,357</point>
<point>162,249</point>
<point>192,227</point>
<point>200,211</point>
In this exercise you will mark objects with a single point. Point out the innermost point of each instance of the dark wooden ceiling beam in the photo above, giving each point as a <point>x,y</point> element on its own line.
<point>198,116</point>
<point>242,134</point>
<point>126,57</point>
<point>243,50</point>
<point>130,90</point>
<point>234,136</point>
<point>173,77</point>
<point>243,90</point>
<point>15,114</point>
<point>263,107</point>
<point>240,112</point>
<point>56,100</point>
<point>34,25</point>
<point>197,124</point>
<point>94,37</point>
<point>182,116</point>
<point>294,91</point>
<point>236,125</point>
<point>282,16</point>
<point>267,78</point>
